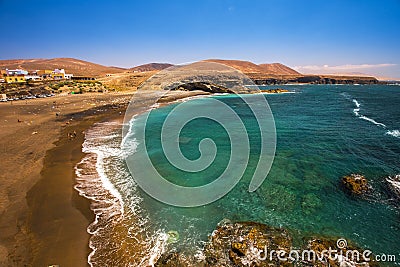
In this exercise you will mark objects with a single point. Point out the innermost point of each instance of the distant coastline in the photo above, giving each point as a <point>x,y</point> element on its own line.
<point>121,79</point>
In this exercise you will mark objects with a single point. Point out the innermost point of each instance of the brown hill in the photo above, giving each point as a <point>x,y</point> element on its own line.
<point>249,67</point>
<point>151,67</point>
<point>243,66</point>
<point>278,69</point>
<point>71,65</point>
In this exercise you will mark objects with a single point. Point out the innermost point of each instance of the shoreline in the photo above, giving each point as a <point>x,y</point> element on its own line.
<point>43,219</point>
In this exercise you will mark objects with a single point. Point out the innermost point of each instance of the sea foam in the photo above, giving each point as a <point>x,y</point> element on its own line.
<point>395,133</point>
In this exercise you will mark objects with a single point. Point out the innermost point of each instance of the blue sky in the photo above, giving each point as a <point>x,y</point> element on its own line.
<point>314,36</point>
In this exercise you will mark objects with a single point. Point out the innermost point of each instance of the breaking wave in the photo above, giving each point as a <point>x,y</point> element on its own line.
<point>356,111</point>
<point>395,133</point>
<point>121,234</point>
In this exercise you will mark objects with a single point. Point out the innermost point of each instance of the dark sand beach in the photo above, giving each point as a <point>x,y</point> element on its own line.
<point>43,220</point>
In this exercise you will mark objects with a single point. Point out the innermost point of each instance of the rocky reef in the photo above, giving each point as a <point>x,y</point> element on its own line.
<point>172,259</point>
<point>241,244</point>
<point>355,184</point>
<point>259,245</point>
<point>346,254</point>
<point>255,244</point>
<point>203,86</point>
<point>275,91</point>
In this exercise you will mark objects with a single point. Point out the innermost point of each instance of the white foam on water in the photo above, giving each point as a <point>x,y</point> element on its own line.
<point>119,218</point>
<point>373,121</point>
<point>395,133</point>
<point>394,182</point>
<point>356,112</point>
<point>92,182</point>
<point>357,109</point>
<point>356,102</point>
<point>158,249</point>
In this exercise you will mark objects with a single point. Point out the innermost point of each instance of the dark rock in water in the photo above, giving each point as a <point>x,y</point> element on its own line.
<point>172,259</point>
<point>203,86</point>
<point>342,254</point>
<point>275,91</point>
<point>244,244</point>
<point>258,245</point>
<point>355,184</point>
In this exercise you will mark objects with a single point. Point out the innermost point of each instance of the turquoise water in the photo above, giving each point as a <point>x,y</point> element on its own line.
<point>323,133</point>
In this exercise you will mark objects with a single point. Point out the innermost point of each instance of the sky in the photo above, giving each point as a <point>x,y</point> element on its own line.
<point>311,36</point>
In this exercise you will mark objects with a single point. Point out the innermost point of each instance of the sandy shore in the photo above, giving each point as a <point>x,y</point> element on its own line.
<point>43,220</point>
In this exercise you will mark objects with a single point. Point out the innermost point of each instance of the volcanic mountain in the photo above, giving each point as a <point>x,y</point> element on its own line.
<point>151,67</point>
<point>249,67</point>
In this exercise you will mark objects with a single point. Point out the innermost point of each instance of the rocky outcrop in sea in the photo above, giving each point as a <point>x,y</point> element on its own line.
<point>355,184</point>
<point>255,244</point>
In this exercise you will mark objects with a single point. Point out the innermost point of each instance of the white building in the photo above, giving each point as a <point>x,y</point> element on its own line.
<point>33,77</point>
<point>58,71</point>
<point>16,72</point>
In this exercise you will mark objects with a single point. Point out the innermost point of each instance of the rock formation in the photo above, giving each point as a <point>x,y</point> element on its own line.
<point>355,184</point>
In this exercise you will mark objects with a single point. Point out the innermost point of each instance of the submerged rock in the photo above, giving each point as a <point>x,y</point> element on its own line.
<point>173,237</point>
<point>275,91</point>
<point>310,203</point>
<point>355,184</point>
<point>244,244</point>
<point>258,245</point>
<point>172,259</point>
<point>280,198</point>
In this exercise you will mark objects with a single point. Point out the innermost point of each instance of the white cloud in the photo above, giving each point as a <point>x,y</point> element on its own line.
<point>347,67</point>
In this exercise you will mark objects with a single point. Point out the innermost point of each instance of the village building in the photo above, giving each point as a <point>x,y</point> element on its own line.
<point>45,74</point>
<point>20,75</point>
<point>33,77</point>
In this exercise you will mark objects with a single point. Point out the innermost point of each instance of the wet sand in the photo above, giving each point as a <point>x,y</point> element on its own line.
<point>43,220</point>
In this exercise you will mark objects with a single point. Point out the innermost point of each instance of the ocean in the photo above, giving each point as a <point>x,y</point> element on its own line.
<point>323,133</point>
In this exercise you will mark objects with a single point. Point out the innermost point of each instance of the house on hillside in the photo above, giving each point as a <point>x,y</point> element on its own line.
<point>19,75</point>
<point>16,72</point>
<point>14,76</point>
<point>15,79</point>
<point>33,77</point>
<point>59,74</point>
<point>45,74</point>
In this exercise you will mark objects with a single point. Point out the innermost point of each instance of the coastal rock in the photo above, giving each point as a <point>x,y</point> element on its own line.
<point>203,86</point>
<point>257,245</point>
<point>275,91</point>
<point>355,184</point>
<point>345,254</point>
<point>262,79</point>
<point>244,244</point>
<point>172,259</point>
